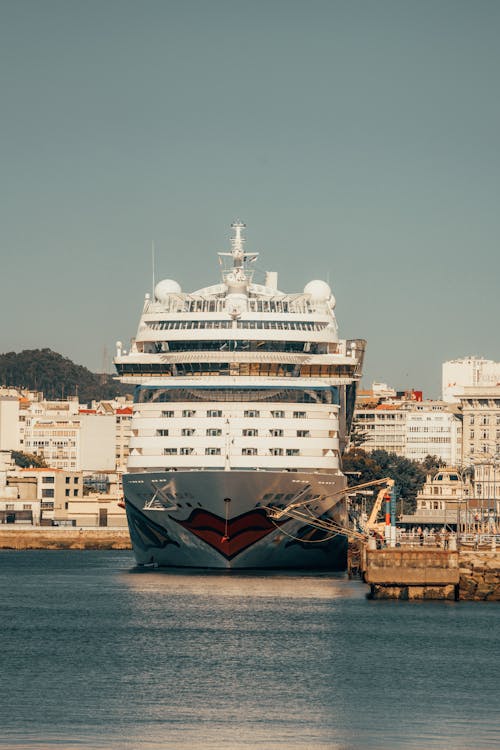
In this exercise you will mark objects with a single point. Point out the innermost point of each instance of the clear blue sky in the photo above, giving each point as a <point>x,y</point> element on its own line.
<point>359,141</point>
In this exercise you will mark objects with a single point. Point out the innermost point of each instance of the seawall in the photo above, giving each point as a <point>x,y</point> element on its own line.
<point>56,537</point>
<point>399,573</point>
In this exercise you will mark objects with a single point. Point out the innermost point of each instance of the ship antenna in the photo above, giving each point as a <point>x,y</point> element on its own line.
<point>153,268</point>
<point>237,243</point>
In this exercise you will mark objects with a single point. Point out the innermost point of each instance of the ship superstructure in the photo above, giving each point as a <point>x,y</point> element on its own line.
<point>244,396</point>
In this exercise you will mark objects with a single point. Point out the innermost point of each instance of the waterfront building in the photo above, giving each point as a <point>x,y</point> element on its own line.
<point>94,509</point>
<point>481,444</point>
<point>409,426</point>
<point>465,372</point>
<point>444,494</point>
<point>32,495</point>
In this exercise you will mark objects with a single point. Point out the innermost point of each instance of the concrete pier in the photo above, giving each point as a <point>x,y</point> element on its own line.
<point>431,573</point>
<point>60,537</point>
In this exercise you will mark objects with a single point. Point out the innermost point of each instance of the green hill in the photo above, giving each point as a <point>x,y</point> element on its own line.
<point>56,376</point>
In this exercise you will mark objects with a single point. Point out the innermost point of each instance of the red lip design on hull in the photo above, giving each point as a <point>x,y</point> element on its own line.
<point>242,531</point>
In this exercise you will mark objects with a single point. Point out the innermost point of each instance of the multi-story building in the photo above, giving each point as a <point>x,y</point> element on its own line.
<point>443,496</point>
<point>9,419</point>
<point>96,508</point>
<point>481,443</point>
<point>468,371</point>
<point>410,427</point>
<point>33,495</point>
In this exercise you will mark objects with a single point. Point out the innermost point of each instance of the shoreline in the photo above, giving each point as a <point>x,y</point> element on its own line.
<point>61,538</point>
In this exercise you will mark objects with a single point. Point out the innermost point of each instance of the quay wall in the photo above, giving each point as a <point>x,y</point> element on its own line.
<point>57,537</point>
<point>480,575</point>
<point>398,573</point>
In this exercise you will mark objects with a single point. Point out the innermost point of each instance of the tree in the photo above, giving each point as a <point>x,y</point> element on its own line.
<point>28,460</point>
<point>432,463</point>
<point>56,376</point>
<point>409,476</point>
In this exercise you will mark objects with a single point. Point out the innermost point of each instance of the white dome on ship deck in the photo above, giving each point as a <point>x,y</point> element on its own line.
<point>318,290</point>
<point>166,287</point>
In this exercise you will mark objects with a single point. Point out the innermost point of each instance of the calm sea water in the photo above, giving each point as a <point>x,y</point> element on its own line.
<point>95,654</point>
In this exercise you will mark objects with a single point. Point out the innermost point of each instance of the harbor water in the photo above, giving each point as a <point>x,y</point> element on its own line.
<point>98,654</point>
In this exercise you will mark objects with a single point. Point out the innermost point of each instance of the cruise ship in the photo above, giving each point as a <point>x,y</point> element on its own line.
<point>243,402</point>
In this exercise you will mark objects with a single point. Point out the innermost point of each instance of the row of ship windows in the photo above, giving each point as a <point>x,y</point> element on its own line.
<point>254,305</point>
<point>269,395</point>
<point>214,432</point>
<point>248,413</point>
<point>218,451</point>
<point>235,345</point>
<point>237,369</point>
<point>273,325</point>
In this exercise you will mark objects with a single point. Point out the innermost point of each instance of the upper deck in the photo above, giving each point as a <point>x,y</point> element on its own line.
<point>238,328</point>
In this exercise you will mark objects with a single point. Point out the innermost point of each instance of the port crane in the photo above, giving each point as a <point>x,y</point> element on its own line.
<point>298,509</point>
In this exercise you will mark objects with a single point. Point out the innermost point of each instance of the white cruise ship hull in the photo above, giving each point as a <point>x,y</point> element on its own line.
<point>216,519</point>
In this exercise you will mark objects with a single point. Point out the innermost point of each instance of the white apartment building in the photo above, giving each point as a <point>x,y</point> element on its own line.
<point>84,442</point>
<point>413,429</point>
<point>9,419</point>
<point>465,372</point>
<point>68,435</point>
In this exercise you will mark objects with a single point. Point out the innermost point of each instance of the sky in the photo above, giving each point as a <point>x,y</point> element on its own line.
<point>357,139</point>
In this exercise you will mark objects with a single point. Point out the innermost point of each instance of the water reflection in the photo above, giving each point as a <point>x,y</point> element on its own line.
<point>260,585</point>
<point>97,656</point>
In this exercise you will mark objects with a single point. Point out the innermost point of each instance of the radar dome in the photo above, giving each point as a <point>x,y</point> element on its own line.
<point>318,290</point>
<point>166,287</point>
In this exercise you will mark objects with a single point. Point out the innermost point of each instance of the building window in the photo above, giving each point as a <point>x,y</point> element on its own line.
<point>47,480</point>
<point>211,432</point>
<point>168,414</point>
<point>75,480</point>
<point>187,432</point>
<point>276,433</point>
<point>276,451</point>
<point>299,414</point>
<point>75,493</point>
<point>212,451</point>
<point>250,433</point>
<point>249,451</point>
<point>303,433</point>
<point>67,492</point>
<point>251,413</point>
<point>214,413</point>
<point>292,451</point>
<point>48,493</point>
<point>26,506</point>
<point>162,433</point>
<point>170,451</point>
<point>278,414</point>
<point>188,413</point>
<point>186,451</point>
